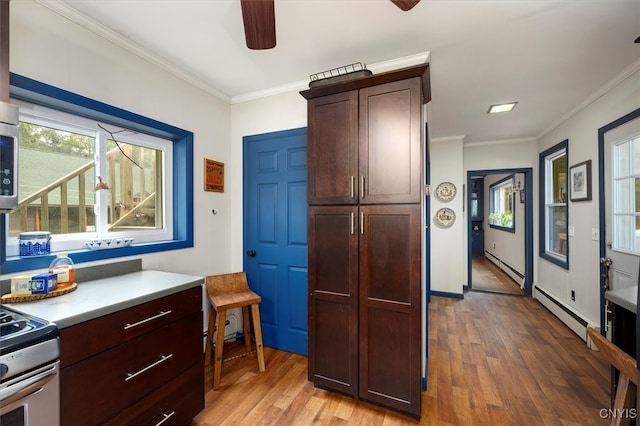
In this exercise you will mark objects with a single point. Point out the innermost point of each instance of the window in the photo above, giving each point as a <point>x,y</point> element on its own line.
<point>626,196</point>
<point>502,205</point>
<point>554,245</point>
<point>67,145</point>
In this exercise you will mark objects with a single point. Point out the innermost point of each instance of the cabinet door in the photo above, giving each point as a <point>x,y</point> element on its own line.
<point>333,300</point>
<point>390,143</point>
<point>332,150</point>
<point>390,307</point>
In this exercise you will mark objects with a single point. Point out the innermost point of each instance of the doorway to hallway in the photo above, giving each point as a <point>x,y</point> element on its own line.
<point>500,249</point>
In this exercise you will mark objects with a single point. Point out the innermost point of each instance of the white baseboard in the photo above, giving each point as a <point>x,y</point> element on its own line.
<point>565,313</point>
<point>515,275</point>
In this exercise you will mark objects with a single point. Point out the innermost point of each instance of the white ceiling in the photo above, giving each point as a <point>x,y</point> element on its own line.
<point>550,56</point>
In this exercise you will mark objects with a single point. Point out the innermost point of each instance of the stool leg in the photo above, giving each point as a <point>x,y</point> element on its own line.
<point>209,340</point>
<point>255,313</point>
<point>222,318</point>
<point>246,327</point>
<point>625,399</point>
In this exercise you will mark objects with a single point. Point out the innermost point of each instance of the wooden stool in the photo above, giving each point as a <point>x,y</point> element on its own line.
<point>226,292</point>
<point>628,381</point>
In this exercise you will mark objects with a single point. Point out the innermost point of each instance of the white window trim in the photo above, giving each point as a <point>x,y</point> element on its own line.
<point>48,117</point>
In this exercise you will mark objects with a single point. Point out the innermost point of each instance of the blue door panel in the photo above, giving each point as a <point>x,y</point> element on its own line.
<point>275,227</point>
<point>297,214</point>
<point>269,293</point>
<point>298,291</point>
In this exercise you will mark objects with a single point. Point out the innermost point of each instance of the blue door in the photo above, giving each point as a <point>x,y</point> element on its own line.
<point>275,234</point>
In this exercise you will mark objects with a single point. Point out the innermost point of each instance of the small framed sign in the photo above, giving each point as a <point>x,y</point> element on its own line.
<point>213,176</point>
<point>580,183</point>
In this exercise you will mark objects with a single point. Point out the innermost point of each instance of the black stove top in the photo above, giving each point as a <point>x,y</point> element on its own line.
<point>19,330</point>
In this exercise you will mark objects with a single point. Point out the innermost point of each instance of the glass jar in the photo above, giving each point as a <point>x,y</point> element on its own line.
<point>63,266</point>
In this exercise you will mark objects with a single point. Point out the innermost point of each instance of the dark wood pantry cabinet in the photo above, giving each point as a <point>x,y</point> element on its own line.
<point>365,192</point>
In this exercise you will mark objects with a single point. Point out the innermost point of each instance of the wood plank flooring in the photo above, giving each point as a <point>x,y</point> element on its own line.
<point>486,276</point>
<point>493,360</point>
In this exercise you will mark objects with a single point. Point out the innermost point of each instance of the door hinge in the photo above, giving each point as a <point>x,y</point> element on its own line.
<point>427,190</point>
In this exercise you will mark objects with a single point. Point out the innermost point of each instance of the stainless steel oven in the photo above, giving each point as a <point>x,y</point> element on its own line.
<point>29,367</point>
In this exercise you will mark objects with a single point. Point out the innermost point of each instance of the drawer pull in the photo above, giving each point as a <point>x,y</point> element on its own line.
<point>135,324</point>
<point>166,417</point>
<point>353,185</point>
<point>162,359</point>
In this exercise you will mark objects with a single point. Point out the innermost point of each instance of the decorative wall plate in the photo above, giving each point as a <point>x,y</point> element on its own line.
<point>446,191</point>
<point>445,217</point>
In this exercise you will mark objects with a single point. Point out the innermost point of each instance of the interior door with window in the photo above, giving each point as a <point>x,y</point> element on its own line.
<point>620,152</point>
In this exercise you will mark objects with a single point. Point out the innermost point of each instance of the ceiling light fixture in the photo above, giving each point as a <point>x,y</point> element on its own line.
<point>493,109</point>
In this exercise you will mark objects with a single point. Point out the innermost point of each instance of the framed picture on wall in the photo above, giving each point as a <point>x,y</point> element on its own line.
<point>580,181</point>
<point>213,176</point>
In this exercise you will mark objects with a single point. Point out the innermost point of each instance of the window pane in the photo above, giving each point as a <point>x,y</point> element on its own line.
<point>622,202</point>
<point>56,182</point>
<point>502,204</point>
<point>636,155</point>
<point>626,202</point>
<point>624,232</point>
<point>135,179</point>
<point>621,160</point>
<point>557,230</point>
<point>559,168</point>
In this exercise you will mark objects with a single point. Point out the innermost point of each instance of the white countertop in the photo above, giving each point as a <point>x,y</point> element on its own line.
<point>625,297</point>
<point>104,296</point>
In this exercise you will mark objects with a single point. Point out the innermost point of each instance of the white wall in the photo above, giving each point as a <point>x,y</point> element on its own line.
<point>582,132</point>
<point>51,49</point>
<point>448,245</point>
<point>279,112</point>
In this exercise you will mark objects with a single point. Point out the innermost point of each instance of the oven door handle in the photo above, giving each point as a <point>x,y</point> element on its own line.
<point>28,387</point>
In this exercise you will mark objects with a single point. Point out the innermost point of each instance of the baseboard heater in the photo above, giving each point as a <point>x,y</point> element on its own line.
<point>513,273</point>
<point>576,322</point>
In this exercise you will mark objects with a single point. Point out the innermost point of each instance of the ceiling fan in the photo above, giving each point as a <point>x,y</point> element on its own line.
<point>260,21</point>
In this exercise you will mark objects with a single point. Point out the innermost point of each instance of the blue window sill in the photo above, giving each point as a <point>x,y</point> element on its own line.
<point>503,228</point>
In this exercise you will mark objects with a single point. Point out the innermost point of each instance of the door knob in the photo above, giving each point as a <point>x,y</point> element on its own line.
<point>251,253</point>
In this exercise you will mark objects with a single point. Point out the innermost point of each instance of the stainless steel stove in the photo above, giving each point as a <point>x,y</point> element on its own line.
<point>29,366</point>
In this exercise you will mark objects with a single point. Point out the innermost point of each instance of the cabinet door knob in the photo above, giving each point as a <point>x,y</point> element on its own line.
<point>251,253</point>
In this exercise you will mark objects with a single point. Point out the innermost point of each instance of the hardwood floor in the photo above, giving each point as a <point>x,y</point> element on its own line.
<point>486,276</point>
<point>493,359</point>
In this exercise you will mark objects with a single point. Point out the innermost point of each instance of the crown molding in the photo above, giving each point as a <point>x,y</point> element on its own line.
<point>454,138</point>
<point>394,64</point>
<point>97,28</point>
<point>501,142</point>
<point>626,73</point>
<point>100,30</point>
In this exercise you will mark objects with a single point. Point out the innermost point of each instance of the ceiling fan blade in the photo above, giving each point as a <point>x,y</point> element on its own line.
<point>259,23</point>
<point>405,4</point>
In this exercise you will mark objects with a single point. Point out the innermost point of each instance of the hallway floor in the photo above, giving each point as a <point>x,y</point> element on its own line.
<point>493,359</point>
<point>486,276</point>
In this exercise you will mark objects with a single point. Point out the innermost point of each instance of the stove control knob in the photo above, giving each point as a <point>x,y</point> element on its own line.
<point>4,369</point>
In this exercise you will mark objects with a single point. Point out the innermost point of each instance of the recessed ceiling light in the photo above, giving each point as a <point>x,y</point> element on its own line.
<point>501,108</point>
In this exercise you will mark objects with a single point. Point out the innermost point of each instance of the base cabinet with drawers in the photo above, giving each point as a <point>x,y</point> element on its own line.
<point>140,365</point>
